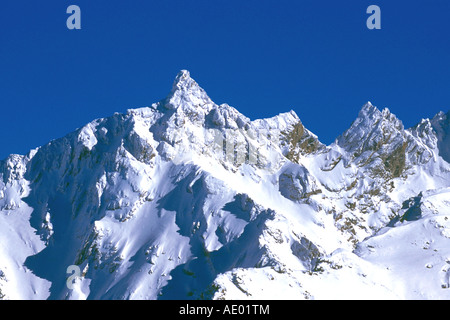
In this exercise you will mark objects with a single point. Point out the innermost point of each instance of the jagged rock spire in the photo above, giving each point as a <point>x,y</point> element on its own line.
<point>187,94</point>
<point>371,128</point>
<point>183,81</point>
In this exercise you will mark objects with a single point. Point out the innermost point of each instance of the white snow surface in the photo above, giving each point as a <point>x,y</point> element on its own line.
<point>187,199</point>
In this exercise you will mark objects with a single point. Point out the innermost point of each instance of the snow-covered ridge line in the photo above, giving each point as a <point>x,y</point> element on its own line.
<point>187,199</point>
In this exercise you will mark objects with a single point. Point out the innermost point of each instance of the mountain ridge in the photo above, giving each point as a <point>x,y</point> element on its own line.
<point>187,199</point>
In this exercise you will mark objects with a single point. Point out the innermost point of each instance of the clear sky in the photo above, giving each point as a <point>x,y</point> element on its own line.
<point>262,57</point>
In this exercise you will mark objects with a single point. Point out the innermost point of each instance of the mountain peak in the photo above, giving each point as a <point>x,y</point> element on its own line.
<point>368,110</point>
<point>183,81</point>
<point>371,129</point>
<point>369,115</point>
<point>441,116</point>
<point>186,93</point>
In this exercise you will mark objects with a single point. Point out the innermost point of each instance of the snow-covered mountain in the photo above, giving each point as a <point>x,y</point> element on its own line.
<point>187,199</point>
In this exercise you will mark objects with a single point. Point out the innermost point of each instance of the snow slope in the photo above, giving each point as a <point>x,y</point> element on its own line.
<point>187,199</point>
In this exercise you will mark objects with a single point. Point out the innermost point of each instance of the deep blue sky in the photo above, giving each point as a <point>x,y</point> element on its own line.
<point>262,57</point>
